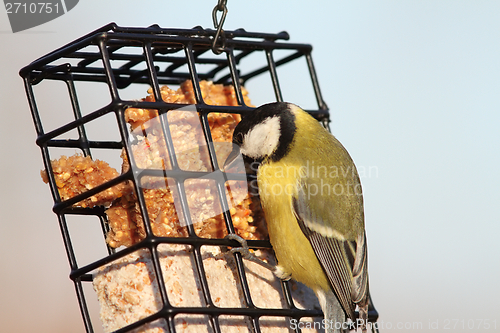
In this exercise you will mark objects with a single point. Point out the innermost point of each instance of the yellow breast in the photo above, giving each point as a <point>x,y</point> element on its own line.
<point>293,250</point>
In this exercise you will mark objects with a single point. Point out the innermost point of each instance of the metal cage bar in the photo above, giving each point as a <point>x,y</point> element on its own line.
<point>164,54</point>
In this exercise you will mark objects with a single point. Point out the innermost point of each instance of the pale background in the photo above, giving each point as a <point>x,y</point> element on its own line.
<point>413,87</point>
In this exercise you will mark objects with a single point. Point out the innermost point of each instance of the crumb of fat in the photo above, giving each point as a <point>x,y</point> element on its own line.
<point>149,151</point>
<point>77,174</point>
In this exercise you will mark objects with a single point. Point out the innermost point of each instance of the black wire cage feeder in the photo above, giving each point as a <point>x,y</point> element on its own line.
<point>97,80</point>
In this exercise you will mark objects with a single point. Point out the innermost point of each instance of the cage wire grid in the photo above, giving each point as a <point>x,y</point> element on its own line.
<point>159,47</point>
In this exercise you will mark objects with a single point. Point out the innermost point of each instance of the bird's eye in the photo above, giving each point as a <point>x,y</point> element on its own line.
<point>238,138</point>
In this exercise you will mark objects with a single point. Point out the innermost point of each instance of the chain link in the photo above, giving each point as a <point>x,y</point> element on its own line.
<point>220,7</point>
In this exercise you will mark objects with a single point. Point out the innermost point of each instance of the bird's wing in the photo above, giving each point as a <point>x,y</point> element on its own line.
<point>344,261</point>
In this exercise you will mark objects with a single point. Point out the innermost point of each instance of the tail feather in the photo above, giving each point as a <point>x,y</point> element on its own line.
<point>335,318</point>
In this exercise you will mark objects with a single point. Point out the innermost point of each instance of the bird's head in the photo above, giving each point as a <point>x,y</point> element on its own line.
<point>265,134</point>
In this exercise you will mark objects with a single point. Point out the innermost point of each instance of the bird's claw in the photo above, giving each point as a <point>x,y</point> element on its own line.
<point>244,250</point>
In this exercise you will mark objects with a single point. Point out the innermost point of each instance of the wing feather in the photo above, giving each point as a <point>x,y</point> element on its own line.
<point>343,261</point>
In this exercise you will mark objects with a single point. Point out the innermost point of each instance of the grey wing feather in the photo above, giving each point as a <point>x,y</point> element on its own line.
<point>360,271</point>
<point>344,262</point>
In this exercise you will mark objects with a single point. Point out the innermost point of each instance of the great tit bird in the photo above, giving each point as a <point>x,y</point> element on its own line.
<point>311,195</point>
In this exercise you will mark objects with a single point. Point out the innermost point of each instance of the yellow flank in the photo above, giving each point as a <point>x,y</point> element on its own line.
<point>333,193</point>
<point>293,251</point>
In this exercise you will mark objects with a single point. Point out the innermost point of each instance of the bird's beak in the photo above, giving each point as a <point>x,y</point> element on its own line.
<point>232,161</point>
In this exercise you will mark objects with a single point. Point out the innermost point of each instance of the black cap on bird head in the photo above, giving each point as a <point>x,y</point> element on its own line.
<point>265,134</point>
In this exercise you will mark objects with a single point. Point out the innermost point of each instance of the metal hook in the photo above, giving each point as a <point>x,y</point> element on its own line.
<point>220,7</point>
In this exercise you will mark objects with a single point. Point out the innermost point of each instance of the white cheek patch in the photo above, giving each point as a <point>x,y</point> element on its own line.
<point>262,140</point>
